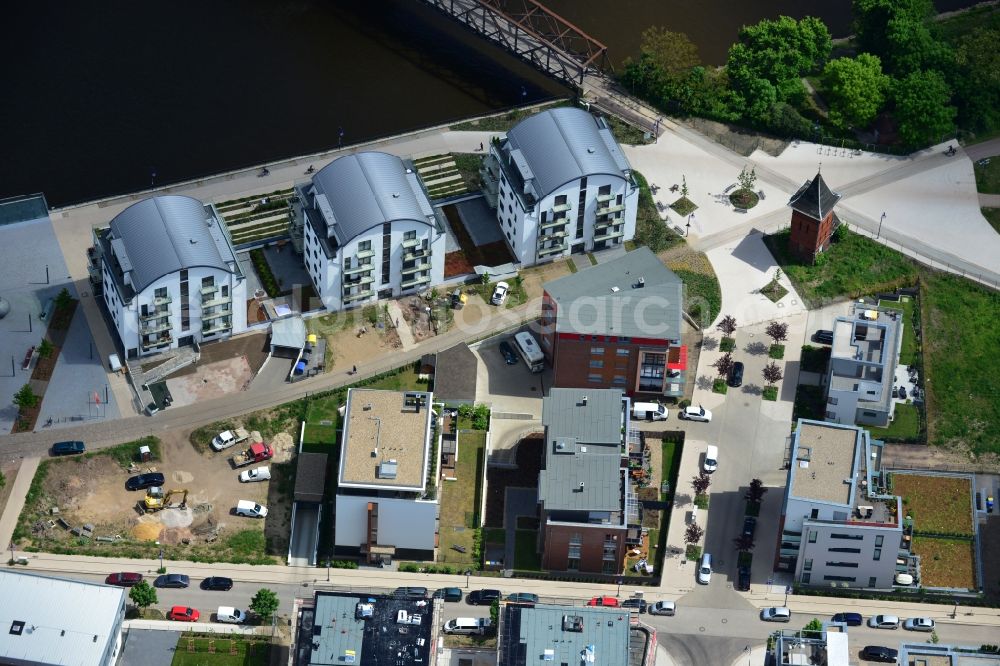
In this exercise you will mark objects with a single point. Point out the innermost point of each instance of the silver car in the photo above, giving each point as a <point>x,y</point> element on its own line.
<point>662,608</point>
<point>919,624</point>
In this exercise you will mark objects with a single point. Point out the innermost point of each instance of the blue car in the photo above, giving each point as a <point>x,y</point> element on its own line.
<point>67,448</point>
<point>850,619</point>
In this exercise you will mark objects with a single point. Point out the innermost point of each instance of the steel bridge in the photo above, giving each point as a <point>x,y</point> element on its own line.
<point>533,33</point>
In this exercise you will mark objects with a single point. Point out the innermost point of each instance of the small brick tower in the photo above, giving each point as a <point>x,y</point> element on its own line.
<point>813,219</point>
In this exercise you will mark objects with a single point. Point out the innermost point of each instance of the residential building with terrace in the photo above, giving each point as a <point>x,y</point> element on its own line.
<point>370,231</point>
<point>560,183</point>
<point>860,380</point>
<point>929,654</point>
<point>828,646</point>
<point>169,276</point>
<point>617,325</point>
<point>385,507</point>
<point>839,526</point>
<point>590,515</point>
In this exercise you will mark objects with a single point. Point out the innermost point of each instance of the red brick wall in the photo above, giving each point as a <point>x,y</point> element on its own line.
<point>556,540</point>
<point>809,236</point>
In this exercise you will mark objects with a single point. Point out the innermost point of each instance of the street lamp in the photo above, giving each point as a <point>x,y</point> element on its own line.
<point>788,589</point>
<point>690,217</point>
<point>619,593</point>
<point>328,569</point>
<point>656,130</point>
<point>12,555</point>
<point>468,572</point>
<point>161,560</point>
<point>879,234</point>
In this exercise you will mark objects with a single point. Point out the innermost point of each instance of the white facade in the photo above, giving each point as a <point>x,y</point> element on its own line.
<point>560,184</point>
<point>409,524</point>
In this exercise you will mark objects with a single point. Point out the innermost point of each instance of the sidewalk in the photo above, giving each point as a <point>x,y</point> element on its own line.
<point>15,502</point>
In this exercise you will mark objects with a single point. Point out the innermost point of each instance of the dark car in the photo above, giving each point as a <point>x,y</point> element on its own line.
<point>850,619</point>
<point>482,597</point>
<point>217,583</point>
<point>143,481</point>
<point>736,375</point>
<point>749,526</point>
<point>508,353</point>
<point>124,579</point>
<point>68,448</point>
<point>638,604</point>
<point>823,337</point>
<point>524,598</point>
<point>411,592</point>
<point>743,578</point>
<point>880,653</point>
<point>172,580</point>
<point>448,594</point>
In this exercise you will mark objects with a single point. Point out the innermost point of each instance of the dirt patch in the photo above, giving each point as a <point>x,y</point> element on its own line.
<point>345,349</point>
<point>254,348</point>
<point>533,279</point>
<point>212,380</point>
<point>528,459</point>
<point>491,254</point>
<point>946,562</point>
<point>939,504</point>
<point>10,472</point>
<point>456,264</point>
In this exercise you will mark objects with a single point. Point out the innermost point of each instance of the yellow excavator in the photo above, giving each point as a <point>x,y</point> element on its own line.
<point>156,499</point>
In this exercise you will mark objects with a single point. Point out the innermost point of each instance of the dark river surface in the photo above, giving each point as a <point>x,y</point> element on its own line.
<point>100,96</point>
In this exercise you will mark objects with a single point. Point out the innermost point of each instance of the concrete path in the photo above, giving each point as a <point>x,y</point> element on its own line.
<point>15,502</point>
<point>989,200</point>
<point>403,328</point>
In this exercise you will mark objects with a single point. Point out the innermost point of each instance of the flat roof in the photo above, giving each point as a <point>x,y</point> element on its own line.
<point>34,631</point>
<point>564,635</point>
<point>289,332</point>
<point>310,477</point>
<point>382,427</point>
<point>455,371</point>
<point>927,654</point>
<point>824,457</point>
<point>377,638</point>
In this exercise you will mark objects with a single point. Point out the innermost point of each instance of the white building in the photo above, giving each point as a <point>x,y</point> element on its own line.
<point>828,646</point>
<point>839,526</point>
<point>385,509</point>
<point>59,621</point>
<point>370,231</point>
<point>560,183</point>
<point>170,276</point>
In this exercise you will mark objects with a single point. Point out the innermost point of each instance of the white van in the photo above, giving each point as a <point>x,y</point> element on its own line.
<point>705,569</point>
<point>230,615</point>
<point>649,411</point>
<point>904,579</point>
<point>468,625</point>
<point>250,509</point>
<point>711,459</point>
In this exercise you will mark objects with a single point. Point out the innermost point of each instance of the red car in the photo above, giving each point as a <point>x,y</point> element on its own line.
<point>183,614</point>
<point>611,602</point>
<point>124,579</point>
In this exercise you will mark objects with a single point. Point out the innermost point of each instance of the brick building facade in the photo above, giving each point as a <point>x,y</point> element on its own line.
<point>813,219</point>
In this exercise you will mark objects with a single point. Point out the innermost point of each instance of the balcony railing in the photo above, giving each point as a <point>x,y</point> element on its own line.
<point>411,242</point>
<point>365,254</point>
<point>154,313</point>
<point>218,300</point>
<point>224,312</point>
<point>161,341</point>
<point>413,269</point>
<point>354,282</point>
<point>561,222</point>
<point>607,210</point>
<point>209,289</point>
<point>216,326</point>
<point>417,254</point>
<point>154,327</point>
<point>553,236</point>
<point>609,235</point>
<point>413,282</point>
<point>162,300</point>
<point>350,298</point>
<point>605,198</point>
<point>561,208</point>
<point>364,268</point>
<point>545,251</point>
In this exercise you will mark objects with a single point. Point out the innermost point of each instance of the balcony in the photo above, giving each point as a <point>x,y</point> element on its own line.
<point>610,208</point>
<point>416,253</point>
<point>223,312</point>
<point>217,326</point>
<point>218,300</point>
<point>605,198</point>
<point>350,298</point>
<point>162,301</point>
<point>154,313</point>
<point>553,236</point>
<point>364,268</point>
<point>561,222</point>
<point>414,269</point>
<point>561,208</point>
<point>415,282</point>
<point>208,290</point>
<point>545,251</point>
<point>161,341</point>
<point>608,236</point>
<point>355,282</point>
<point>155,327</point>
<point>411,242</point>
<point>365,254</point>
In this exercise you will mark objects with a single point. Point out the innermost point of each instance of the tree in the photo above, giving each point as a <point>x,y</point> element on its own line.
<point>813,625</point>
<point>672,52</point>
<point>684,186</point>
<point>755,493</point>
<point>693,533</point>
<point>922,108</point>
<point>25,398</point>
<point>724,364</point>
<point>977,79</point>
<point>747,181</point>
<point>265,603</point>
<point>777,331</point>
<point>63,299</point>
<point>701,483</point>
<point>744,543</point>
<point>872,18</point>
<point>143,595</point>
<point>727,325</point>
<point>777,50</point>
<point>45,348</point>
<point>855,90</point>
<point>772,373</point>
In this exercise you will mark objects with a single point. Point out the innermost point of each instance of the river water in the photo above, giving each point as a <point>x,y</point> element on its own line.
<point>108,97</point>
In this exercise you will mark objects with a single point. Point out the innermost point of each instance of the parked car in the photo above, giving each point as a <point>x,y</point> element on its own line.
<point>143,481</point>
<point>711,462</point>
<point>606,601</point>
<point>649,411</point>
<point>124,579</point>
<point>919,624</point>
<point>850,619</point>
<point>482,597</point>
<point>411,592</point>
<point>458,299</point>
<point>736,375</point>
<point>217,583</point>
<point>639,604</point>
<point>662,608</point>
<point>823,337</point>
<point>776,614</point>
<point>183,614</point>
<point>883,622</point>
<point>68,448</point>
<point>256,474</point>
<point>523,598</point>
<point>499,293</point>
<point>250,509</point>
<point>172,580</point>
<point>508,353</point>
<point>743,578</point>
<point>692,413</point>
<point>705,569</point>
<point>749,526</point>
<point>230,615</point>
<point>879,653</point>
<point>904,579</point>
<point>448,594</point>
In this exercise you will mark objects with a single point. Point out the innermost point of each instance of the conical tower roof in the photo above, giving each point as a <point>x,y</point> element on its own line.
<point>814,198</point>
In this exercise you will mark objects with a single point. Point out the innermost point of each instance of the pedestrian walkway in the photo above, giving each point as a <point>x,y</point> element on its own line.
<point>402,326</point>
<point>15,501</point>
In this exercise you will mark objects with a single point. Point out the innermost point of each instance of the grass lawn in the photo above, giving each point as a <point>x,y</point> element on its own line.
<point>525,557</point>
<point>814,359</point>
<point>853,266</point>
<point>810,403</point>
<point>988,177</point>
<point>403,381</point>
<point>941,504</point>
<point>992,216</point>
<point>460,500</point>
<point>960,371</point>
<point>670,462</point>
<point>905,425</point>
<point>261,655</point>
<point>908,352</point>
<point>946,562</point>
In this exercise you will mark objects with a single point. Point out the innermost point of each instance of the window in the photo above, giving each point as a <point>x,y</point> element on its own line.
<point>831,415</point>
<point>878,540</point>
<point>347,264</point>
<point>844,550</point>
<point>807,565</point>
<point>832,401</point>
<point>877,555</point>
<point>574,551</point>
<point>870,414</point>
<point>619,380</point>
<point>364,246</point>
<point>575,539</point>
<point>651,369</point>
<point>845,579</point>
<point>609,567</point>
<point>852,537</point>
<point>806,577</point>
<point>595,379</point>
<point>812,536</point>
<point>225,291</point>
<point>872,581</point>
<point>597,350</point>
<point>597,364</point>
<point>623,351</point>
<point>410,235</point>
<point>573,564</point>
<point>208,281</point>
<point>848,565</point>
<point>814,514</point>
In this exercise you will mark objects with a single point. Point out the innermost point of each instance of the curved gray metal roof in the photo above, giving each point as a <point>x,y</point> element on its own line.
<point>564,144</point>
<point>165,234</point>
<point>368,189</point>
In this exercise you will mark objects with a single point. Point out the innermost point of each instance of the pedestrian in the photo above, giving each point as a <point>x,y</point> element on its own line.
<point>397,322</point>
<point>480,146</point>
<point>354,369</point>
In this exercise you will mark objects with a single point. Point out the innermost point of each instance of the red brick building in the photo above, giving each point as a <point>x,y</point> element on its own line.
<point>813,219</point>
<point>617,325</point>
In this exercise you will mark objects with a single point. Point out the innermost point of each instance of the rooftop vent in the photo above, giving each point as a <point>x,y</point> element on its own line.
<point>584,400</point>
<point>615,290</point>
<point>192,241</point>
<point>590,150</point>
<point>395,195</point>
<point>640,283</point>
<point>16,627</point>
<point>387,470</point>
<point>572,623</point>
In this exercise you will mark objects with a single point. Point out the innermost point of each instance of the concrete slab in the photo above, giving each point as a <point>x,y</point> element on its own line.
<point>209,381</point>
<point>287,267</point>
<point>305,536</point>
<point>149,647</point>
<point>508,388</point>
<point>480,221</point>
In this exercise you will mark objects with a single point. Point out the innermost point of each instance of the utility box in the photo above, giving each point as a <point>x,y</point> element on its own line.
<point>145,455</point>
